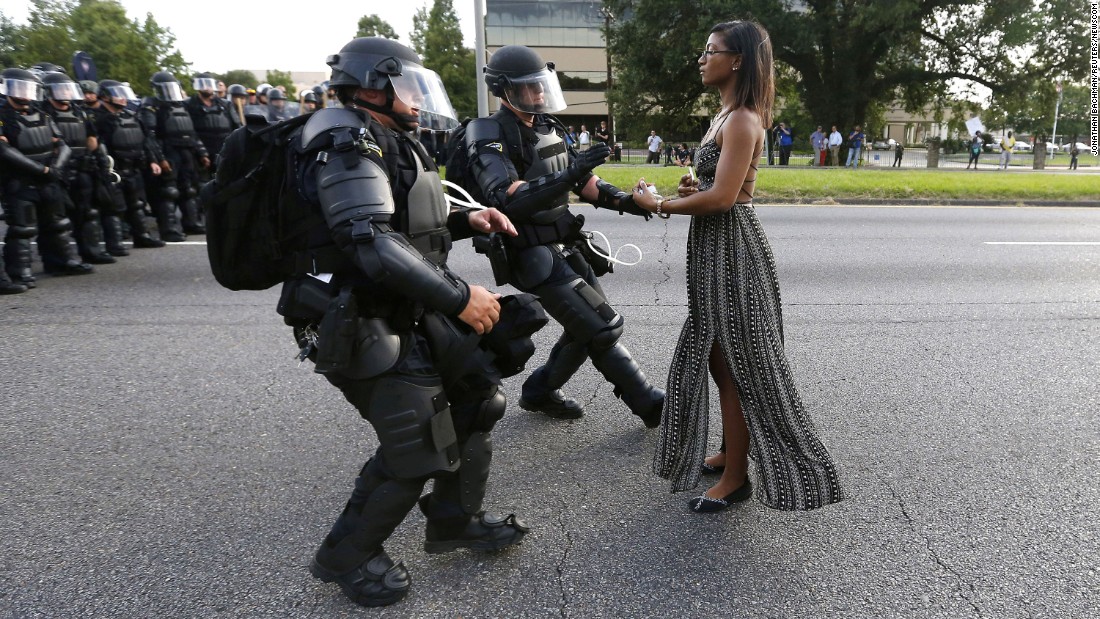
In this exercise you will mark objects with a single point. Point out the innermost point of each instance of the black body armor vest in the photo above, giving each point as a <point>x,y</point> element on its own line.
<point>128,140</point>
<point>35,139</point>
<point>548,155</point>
<point>174,125</point>
<point>73,130</point>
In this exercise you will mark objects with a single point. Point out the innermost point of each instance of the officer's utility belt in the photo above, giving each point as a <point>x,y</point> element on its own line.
<point>435,242</point>
<point>564,229</point>
<point>124,164</point>
<point>327,259</point>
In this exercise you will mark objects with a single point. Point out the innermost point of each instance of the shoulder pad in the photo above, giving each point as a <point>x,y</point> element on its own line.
<point>324,120</point>
<point>482,129</point>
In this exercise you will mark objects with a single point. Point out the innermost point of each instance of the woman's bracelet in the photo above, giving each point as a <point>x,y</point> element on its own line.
<point>660,202</point>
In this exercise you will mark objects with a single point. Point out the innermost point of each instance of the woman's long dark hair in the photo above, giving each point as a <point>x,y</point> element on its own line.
<point>756,85</point>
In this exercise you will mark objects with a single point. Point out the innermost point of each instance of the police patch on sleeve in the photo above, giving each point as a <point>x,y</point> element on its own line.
<point>371,147</point>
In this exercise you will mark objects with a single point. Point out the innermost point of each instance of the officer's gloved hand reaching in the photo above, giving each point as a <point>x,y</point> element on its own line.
<point>587,161</point>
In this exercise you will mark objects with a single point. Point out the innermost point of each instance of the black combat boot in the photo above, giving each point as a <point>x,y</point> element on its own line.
<point>481,531</point>
<point>631,386</point>
<point>378,581</point>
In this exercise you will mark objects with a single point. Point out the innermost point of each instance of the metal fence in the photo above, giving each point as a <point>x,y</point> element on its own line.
<point>910,158</point>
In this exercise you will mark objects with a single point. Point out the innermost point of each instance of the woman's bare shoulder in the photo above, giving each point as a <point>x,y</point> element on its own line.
<point>744,120</point>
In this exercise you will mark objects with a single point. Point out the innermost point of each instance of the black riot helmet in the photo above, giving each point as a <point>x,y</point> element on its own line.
<point>116,93</point>
<point>309,97</point>
<point>48,67</point>
<point>166,87</point>
<point>61,87</point>
<point>21,85</point>
<point>518,75</point>
<point>205,82</point>
<point>276,94</point>
<point>237,90</point>
<point>378,63</point>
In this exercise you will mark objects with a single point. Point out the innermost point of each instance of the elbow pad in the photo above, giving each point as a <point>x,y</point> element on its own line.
<point>17,161</point>
<point>61,155</point>
<point>608,193</point>
<point>490,167</point>
<point>388,258</point>
<point>547,191</point>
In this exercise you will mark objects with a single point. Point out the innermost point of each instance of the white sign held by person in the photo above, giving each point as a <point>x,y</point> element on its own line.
<point>975,125</point>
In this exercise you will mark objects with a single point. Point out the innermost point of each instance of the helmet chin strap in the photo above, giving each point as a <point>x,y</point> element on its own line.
<point>405,121</point>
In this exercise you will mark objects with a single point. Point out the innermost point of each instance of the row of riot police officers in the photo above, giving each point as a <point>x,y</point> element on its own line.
<point>87,162</point>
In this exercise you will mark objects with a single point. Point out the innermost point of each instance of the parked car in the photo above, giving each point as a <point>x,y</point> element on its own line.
<point>1023,147</point>
<point>883,144</point>
<point>1081,146</point>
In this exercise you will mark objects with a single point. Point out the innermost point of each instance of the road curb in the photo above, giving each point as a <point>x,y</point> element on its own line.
<point>923,202</point>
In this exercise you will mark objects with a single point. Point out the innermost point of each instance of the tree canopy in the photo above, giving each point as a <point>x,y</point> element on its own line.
<point>849,57</point>
<point>436,36</point>
<point>124,49</point>
<point>375,26</point>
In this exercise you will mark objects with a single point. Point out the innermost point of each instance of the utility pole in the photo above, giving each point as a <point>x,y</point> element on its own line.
<point>479,58</point>
<point>608,17</point>
<point>1057,105</point>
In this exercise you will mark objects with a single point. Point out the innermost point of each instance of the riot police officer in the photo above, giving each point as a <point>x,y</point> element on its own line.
<point>33,158</point>
<point>210,114</point>
<point>133,150</point>
<point>276,106</point>
<point>383,228</point>
<point>238,99</point>
<point>183,154</point>
<point>309,102</point>
<point>519,162</point>
<point>78,131</point>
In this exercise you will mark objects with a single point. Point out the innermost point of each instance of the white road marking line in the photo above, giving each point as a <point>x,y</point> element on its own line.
<point>1041,242</point>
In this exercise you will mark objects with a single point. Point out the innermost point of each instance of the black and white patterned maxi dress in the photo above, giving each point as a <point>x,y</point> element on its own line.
<point>733,299</point>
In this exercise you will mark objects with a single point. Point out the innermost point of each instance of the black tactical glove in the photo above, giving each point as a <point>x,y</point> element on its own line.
<point>587,161</point>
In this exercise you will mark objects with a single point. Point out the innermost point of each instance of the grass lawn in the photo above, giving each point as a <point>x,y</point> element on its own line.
<point>789,183</point>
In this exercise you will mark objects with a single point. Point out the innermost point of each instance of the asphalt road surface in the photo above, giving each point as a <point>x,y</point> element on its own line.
<point>163,455</point>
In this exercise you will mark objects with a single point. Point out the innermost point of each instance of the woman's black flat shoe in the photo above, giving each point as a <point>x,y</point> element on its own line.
<point>704,504</point>
<point>712,470</point>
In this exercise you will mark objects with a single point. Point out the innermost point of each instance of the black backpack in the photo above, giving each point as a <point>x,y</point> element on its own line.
<point>249,203</point>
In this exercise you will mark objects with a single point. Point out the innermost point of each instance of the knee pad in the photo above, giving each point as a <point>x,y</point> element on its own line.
<point>60,224</point>
<point>23,231</point>
<point>170,192</point>
<point>607,338</point>
<point>491,410</point>
<point>580,309</point>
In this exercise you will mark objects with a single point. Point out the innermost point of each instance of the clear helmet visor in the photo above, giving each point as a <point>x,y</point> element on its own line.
<point>536,93</point>
<point>169,91</point>
<point>68,91</point>
<point>120,95</point>
<point>208,84</point>
<point>422,89</point>
<point>23,89</point>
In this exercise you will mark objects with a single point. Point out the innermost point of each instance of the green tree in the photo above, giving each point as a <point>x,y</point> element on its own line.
<point>436,36</point>
<point>276,77</point>
<point>12,38</point>
<point>240,76</point>
<point>124,50</point>
<point>375,26</point>
<point>849,56</point>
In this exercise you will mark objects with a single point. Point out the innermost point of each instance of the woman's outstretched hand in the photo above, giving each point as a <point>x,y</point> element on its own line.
<point>643,197</point>
<point>688,185</point>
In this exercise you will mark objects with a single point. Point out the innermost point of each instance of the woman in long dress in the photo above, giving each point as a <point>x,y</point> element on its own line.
<point>734,329</point>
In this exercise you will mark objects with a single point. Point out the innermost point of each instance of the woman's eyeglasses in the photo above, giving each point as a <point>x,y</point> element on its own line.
<point>707,53</point>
